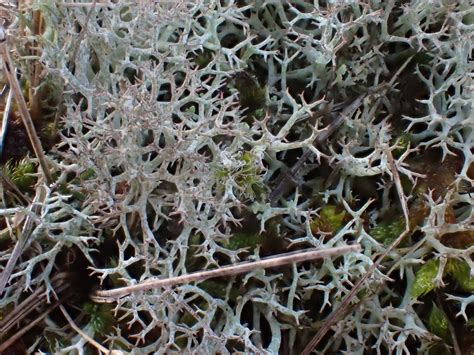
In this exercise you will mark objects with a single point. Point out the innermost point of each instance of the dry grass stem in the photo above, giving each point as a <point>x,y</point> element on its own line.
<point>341,310</point>
<point>28,227</point>
<point>286,179</point>
<point>24,330</point>
<point>274,261</point>
<point>29,305</point>
<point>81,333</point>
<point>24,113</point>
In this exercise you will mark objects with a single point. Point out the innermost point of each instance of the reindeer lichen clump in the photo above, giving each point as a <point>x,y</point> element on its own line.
<point>181,119</point>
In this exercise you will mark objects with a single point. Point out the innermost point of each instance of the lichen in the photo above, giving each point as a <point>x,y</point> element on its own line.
<point>181,117</point>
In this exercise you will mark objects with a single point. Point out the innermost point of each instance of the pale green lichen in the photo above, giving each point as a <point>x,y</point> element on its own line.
<point>179,118</point>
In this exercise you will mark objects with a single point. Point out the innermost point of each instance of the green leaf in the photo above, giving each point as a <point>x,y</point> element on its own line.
<point>424,278</point>
<point>438,323</point>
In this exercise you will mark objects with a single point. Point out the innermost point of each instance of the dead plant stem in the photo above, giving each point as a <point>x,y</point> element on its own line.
<point>24,113</point>
<point>274,261</point>
<point>22,242</point>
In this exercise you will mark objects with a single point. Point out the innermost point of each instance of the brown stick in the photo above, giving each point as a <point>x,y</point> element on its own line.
<point>279,260</point>
<point>10,341</point>
<point>74,326</point>
<point>24,113</point>
<point>29,305</point>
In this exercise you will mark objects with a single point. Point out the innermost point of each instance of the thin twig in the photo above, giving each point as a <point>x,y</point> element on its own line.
<point>274,261</point>
<point>286,180</point>
<point>81,333</point>
<point>24,113</point>
<point>34,69</point>
<point>29,305</point>
<point>24,330</point>
<point>35,209</point>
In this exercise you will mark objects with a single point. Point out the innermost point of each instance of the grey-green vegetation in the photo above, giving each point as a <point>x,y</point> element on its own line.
<point>177,119</point>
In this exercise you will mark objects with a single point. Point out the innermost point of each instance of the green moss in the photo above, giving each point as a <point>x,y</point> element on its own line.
<point>248,178</point>
<point>21,173</point>
<point>222,173</point>
<point>88,174</point>
<point>244,240</point>
<point>189,320</point>
<point>424,278</point>
<point>214,288</point>
<point>204,58</point>
<point>461,272</point>
<point>403,143</point>
<point>49,131</point>
<point>330,220</point>
<point>70,188</point>
<point>252,96</point>
<point>387,232</point>
<point>101,317</point>
<point>438,323</point>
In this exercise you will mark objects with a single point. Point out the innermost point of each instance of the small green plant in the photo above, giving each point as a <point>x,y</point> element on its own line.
<point>101,317</point>
<point>22,173</point>
<point>245,240</point>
